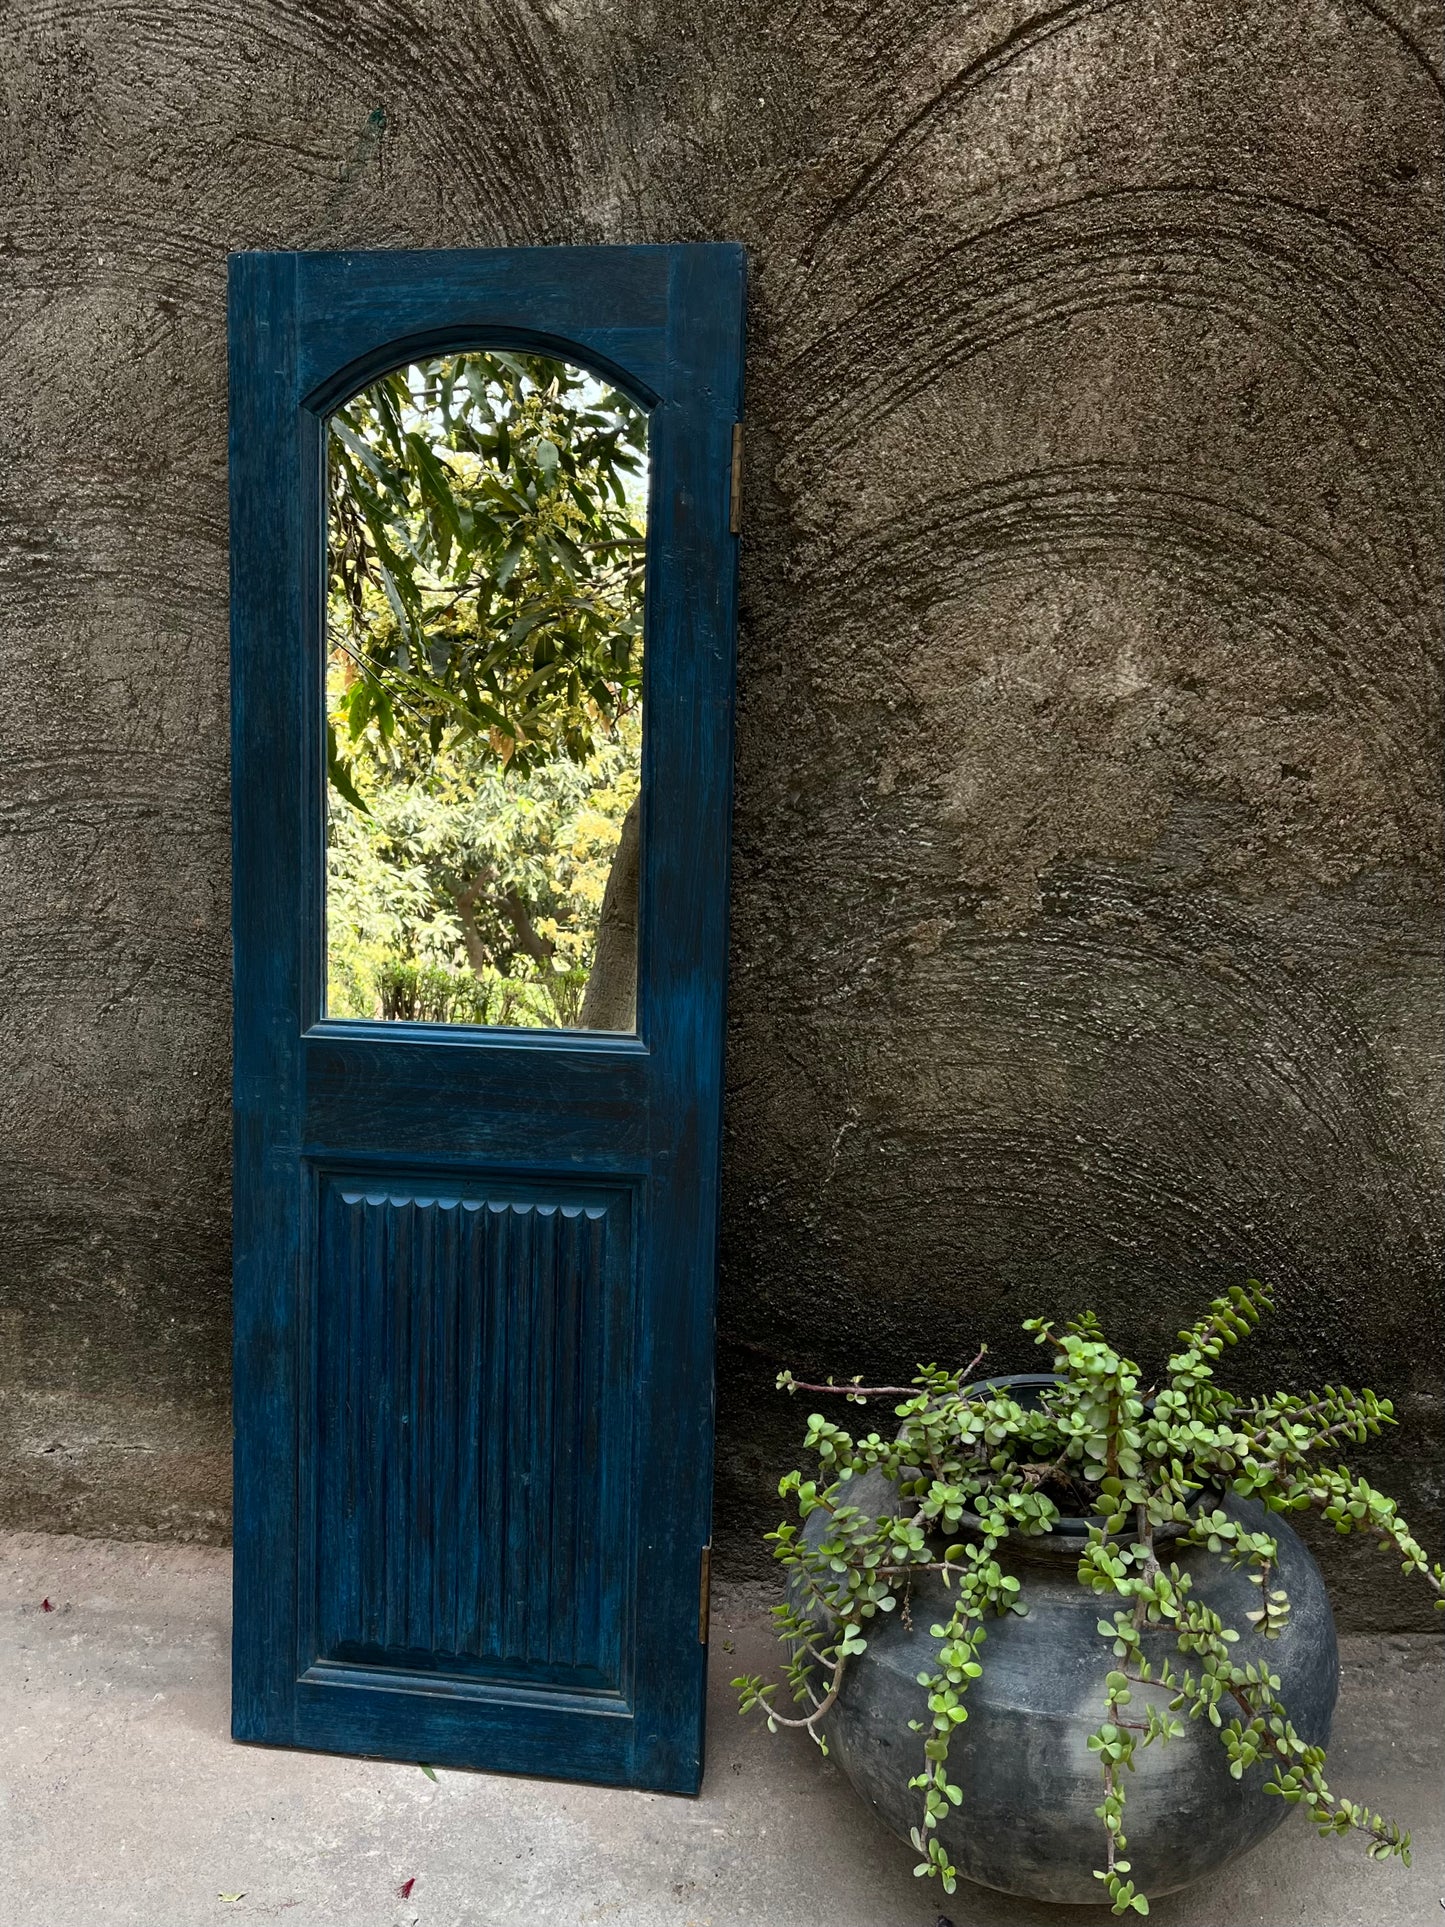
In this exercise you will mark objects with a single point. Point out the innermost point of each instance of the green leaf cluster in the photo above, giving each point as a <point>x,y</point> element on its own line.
<point>486,559</point>
<point>969,1466</point>
<point>467,893</point>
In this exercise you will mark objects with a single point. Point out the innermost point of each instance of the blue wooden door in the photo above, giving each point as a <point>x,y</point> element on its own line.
<point>474,1268</point>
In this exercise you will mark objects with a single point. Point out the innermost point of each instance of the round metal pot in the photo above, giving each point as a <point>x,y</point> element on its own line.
<point>1030,1784</point>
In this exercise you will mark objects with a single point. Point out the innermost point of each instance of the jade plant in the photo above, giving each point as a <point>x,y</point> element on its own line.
<point>1147,1467</point>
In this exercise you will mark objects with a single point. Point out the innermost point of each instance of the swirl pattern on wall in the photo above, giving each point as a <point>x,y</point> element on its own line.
<point>1085,919</point>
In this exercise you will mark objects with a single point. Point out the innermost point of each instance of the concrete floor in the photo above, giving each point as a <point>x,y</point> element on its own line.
<point>124,1800</point>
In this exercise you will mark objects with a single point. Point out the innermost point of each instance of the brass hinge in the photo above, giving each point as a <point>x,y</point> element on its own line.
<point>704,1592</point>
<point>735,496</point>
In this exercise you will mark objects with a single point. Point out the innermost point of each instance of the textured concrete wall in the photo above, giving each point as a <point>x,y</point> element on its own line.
<point>1087,871</point>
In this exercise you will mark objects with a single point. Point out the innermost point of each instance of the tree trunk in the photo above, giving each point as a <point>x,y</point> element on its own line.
<point>610,1000</point>
<point>465,900</point>
<point>529,939</point>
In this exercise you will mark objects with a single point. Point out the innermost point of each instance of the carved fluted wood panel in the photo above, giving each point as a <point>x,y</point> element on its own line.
<point>469,1451</point>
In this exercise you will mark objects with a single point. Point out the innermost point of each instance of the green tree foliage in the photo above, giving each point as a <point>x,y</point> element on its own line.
<point>469,892</point>
<point>486,557</point>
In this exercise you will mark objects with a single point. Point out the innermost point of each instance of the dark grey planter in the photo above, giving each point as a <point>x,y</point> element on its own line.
<point>1030,1785</point>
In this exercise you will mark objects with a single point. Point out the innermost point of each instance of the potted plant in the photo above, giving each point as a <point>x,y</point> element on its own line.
<point>1054,1613</point>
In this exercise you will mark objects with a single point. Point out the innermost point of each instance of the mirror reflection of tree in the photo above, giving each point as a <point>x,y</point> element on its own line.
<point>487,540</point>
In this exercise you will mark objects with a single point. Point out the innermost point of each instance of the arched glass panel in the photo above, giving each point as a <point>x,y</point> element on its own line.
<point>486,543</point>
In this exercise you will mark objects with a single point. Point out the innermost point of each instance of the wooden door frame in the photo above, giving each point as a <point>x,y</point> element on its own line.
<point>306,330</point>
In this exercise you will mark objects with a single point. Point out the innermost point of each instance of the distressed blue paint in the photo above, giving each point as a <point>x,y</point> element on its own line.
<point>474,1271</point>
<point>508,1372</point>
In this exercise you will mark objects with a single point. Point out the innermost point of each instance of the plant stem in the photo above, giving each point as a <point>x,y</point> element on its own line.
<point>1151,1564</point>
<point>882,1391</point>
<point>858,1391</point>
<point>820,1707</point>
